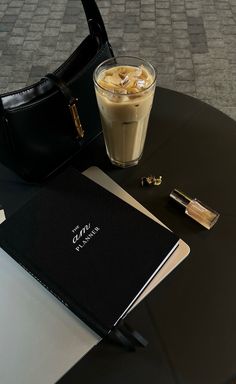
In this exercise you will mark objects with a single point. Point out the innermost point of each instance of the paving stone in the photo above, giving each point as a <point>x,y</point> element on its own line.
<point>182,53</point>
<point>178,8</point>
<point>55,23</point>
<point>163,28</point>
<point>7,27</point>
<point>216,43</point>
<point>40,19</point>
<point>192,12</point>
<point>213,34</point>
<point>26,55</point>
<point>29,7</point>
<point>198,38</point>
<point>227,21</point>
<point>147,8</point>
<point>184,64</point>
<point>68,27</point>
<point>8,18</point>
<point>130,4</point>
<point>14,86</point>
<point>129,36</point>
<point>30,45</point>
<point>202,69</point>
<point>187,87</point>
<point>129,11</point>
<point>218,53</point>
<point>131,28</point>
<point>166,68</point>
<point>33,28</point>
<point>210,16</point>
<point>179,25</point>
<point>199,48</point>
<point>165,58</point>
<point>147,2</point>
<point>162,5</point>
<point>16,40</point>
<point>148,16</point>
<point>133,45</point>
<point>13,11</point>
<point>20,77</point>
<point>192,42</point>
<point>165,48</point>
<point>178,16</point>
<point>164,38</point>
<point>51,31</point>
<point>166,81</point>
<point>180,33</point>
<point>25,15</point>
<point>184,74</point>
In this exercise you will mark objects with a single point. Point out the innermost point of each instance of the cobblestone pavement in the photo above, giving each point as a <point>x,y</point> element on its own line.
<point>191,42</point>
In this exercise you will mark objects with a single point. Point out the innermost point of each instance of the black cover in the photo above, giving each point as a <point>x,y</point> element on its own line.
<point>37,132</point>
<point>98,269</point>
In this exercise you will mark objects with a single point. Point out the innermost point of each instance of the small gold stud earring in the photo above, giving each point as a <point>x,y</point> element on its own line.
<point>151,180</point>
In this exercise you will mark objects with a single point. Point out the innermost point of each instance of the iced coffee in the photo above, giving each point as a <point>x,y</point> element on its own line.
<point>125,89</point>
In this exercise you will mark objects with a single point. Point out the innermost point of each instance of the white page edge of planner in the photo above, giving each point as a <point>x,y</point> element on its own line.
<point>183,250</point>
<point>2,216</point>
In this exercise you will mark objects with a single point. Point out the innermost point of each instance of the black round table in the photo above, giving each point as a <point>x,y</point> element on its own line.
<point>189,319</point>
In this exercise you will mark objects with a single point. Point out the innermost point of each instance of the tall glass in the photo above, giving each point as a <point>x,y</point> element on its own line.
<point>125,89</point>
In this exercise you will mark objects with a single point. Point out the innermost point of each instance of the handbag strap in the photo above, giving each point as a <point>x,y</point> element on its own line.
<point>2,114</point>
<point>70,99</point>
<point>1,108</point>
<point>94,20</point>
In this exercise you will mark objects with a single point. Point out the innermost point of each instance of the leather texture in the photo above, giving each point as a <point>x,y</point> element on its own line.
<point>37,131</point>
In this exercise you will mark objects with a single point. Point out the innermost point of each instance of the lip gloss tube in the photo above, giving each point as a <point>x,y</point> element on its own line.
<point>195,209</point>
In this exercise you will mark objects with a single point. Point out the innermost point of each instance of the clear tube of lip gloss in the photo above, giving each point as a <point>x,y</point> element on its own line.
<point>195,209</point>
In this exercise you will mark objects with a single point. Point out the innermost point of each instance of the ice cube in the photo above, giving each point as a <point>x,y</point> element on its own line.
<point>140,84</point>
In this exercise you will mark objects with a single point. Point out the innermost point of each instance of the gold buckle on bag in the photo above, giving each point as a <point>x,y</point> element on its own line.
<point>76,119</point>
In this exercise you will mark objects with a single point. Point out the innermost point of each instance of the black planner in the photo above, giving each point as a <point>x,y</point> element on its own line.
<point>90,249</point>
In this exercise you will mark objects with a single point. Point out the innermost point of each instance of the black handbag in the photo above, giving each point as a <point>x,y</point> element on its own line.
<point>44,125</point>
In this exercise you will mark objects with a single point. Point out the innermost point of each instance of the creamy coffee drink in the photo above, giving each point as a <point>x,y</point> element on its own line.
<point>125,94</point>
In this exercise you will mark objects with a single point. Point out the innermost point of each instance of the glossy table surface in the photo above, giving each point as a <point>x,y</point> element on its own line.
<point>189,319</point>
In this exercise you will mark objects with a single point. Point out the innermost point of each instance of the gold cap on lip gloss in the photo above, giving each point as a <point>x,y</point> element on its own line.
<point>195,209</point>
